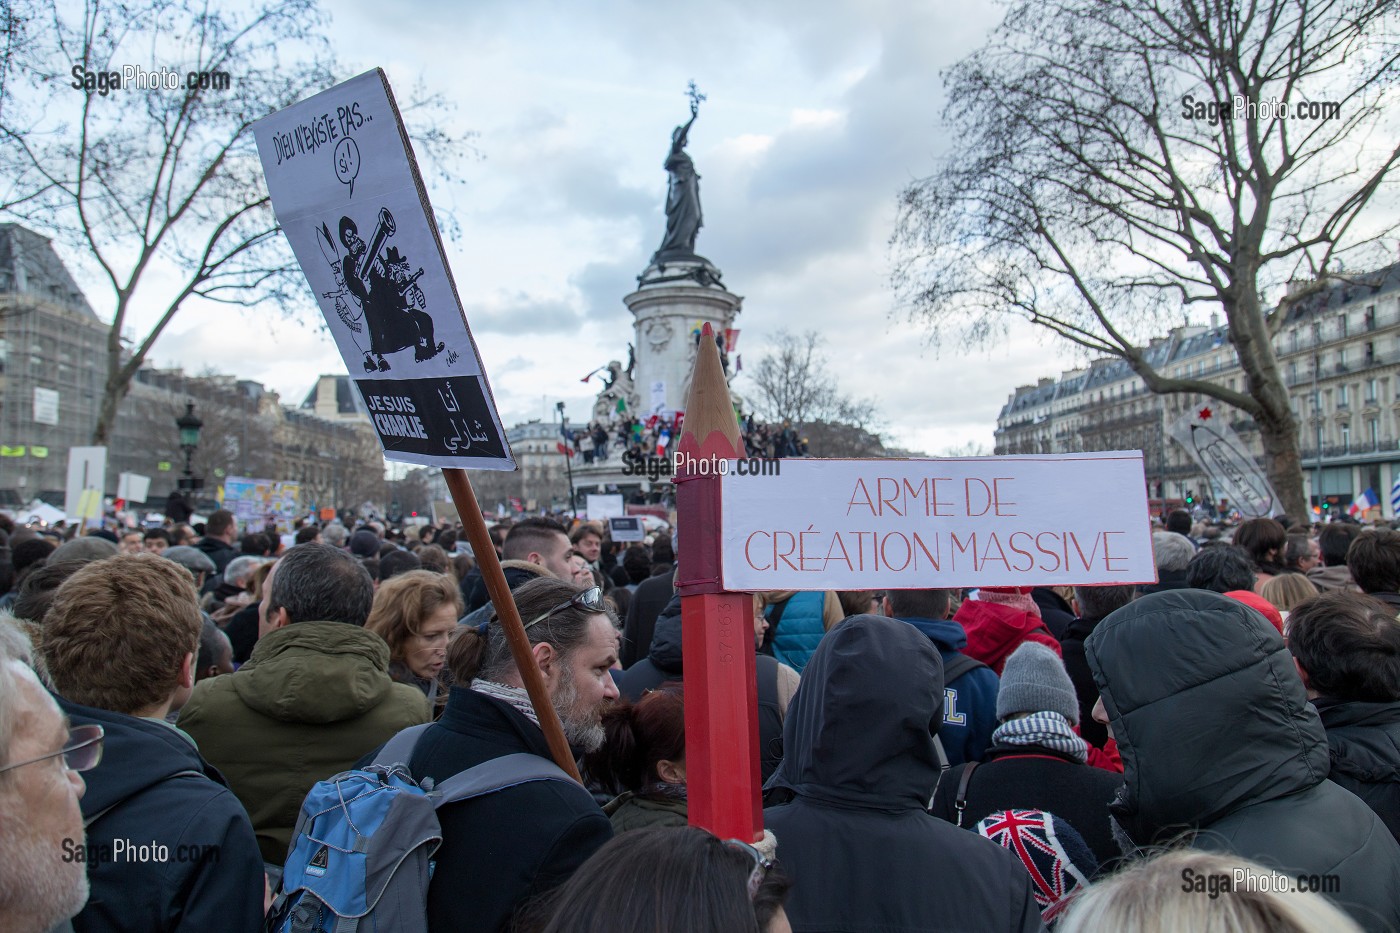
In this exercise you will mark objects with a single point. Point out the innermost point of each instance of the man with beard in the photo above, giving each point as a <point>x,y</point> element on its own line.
<point>42,884</point>
<point>503,850</point>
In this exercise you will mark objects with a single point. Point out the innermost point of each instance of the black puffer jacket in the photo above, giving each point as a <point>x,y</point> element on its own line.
<point>1217,736</point>
<point>860,769</point>
<point>1363,740</point>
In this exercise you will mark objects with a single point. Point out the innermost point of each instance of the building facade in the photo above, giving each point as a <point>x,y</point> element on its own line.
<point>1339,354</point>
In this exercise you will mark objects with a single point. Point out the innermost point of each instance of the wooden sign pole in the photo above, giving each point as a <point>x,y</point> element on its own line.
<point>465,499</point>
<point>721,693</point>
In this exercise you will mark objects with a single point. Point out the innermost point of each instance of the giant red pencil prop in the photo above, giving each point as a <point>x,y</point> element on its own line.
<point>721,698</point>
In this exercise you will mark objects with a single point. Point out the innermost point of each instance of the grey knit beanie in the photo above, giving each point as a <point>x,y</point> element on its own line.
<point>1034,680</point>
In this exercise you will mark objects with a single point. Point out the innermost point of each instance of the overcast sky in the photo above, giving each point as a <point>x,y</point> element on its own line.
<point>818,113</point>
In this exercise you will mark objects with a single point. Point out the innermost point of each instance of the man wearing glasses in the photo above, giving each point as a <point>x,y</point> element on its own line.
<point>40,817</point>
<point>169,845</point>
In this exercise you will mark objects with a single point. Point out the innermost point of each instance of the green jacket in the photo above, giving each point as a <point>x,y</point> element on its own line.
<point>313,698</point>
<point>632,812</point>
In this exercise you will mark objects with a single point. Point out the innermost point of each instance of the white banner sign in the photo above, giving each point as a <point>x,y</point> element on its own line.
<point>133,487</point>
<point>348,194</point>
<point>87,475</point>
<point>45,406</point>
<point>937,524</point>
<point>1219,452</point>
<point>603,507</point>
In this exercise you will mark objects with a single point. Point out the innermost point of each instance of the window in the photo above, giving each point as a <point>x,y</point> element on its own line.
<point>1292,372</point>
<point>1346,438</point>
<point>1342,398</point>
<point>1370,353</point>
<point>1342,358</point>
<point>1293,338</point>
<point>1370,317</point>
<point>1373,429</point>
<point>1341,325</point>
<point>1370,391</point>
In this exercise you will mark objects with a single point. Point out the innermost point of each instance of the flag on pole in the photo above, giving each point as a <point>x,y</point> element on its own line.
<point>1395,496</point>
<point>565,449</point>
<point>1367,500</point>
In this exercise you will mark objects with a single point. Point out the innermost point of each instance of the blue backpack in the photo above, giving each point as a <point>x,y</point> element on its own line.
<point>362,851</point>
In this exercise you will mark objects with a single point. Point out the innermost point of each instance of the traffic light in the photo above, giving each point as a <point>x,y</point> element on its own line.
<point>1190,498</point>
<point>1326,505</point>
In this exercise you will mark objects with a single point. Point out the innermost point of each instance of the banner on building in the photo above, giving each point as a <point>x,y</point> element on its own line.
<point>45,406</point>
<point>348,194</point>
<point>936,524</point>
<point>1219,452</point>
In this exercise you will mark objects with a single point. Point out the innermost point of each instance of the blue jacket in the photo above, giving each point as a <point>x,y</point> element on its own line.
<point>153,788</point>
<point>969,702</point>
<point>800,628</point>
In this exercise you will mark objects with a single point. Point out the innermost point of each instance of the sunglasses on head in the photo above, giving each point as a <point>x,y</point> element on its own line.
<point>760,864</point>
<point>589,600</point>
<point>81,752</point>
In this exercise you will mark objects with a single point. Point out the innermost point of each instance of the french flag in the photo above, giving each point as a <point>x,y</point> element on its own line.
<point>1367,500</point>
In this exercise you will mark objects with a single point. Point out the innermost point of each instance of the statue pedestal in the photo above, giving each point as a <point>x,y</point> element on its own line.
<point>675,298</point>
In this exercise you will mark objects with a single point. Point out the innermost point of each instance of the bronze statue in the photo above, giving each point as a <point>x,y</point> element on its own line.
<point>683,216</point>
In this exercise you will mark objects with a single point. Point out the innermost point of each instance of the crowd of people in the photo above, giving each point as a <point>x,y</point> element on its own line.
<point>626,436</point>
<point>1219,750</point>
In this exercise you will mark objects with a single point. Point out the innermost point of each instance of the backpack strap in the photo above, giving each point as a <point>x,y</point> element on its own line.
<point>768,684</point>
<point>399,749</point>
<point>958,666</point>
<point>774,616</point>
<point>960,801</point>
<point>88,821</point>
<point>498,774</point>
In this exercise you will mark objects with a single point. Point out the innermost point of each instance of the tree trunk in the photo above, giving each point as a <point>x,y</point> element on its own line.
<point>1284,465</point>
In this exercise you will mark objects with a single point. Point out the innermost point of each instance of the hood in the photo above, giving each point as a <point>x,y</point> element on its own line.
<point>516,572</point>
<point>136,753</point>
<point>859,730</point>
<point>1364,738</point>
<point>315,672</point>
<point>948,634</point>
<point>212,546</point>
<point>1207,709</point>
<point>994,630</point>
<point>665,650</point>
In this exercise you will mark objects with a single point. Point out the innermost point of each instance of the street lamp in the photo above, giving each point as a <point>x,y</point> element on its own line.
<point>189,424</point>
<point>568,457</point>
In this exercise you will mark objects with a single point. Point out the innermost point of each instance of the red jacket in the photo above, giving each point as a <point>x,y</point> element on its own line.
<point>994,631</point>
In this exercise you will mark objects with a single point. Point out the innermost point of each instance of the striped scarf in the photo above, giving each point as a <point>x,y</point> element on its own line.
<point>1045,729</point>
<point>514,696</point>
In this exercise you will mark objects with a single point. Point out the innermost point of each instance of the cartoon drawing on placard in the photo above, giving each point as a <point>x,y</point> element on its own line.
<point>347,306</point>
<point>394,305</point>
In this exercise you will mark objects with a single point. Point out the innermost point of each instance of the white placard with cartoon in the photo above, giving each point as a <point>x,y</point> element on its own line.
<point>348,194</point>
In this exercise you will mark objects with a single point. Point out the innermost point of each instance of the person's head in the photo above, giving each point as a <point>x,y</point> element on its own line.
<point>215,652</point>
<point>1171,552</point>
<point>1262,539</point>
<point>540,541</point>
<point>198,563</point>
<point>316,583</point>
<point>1287,590</point>
<point>1333,542</point>
<point>1221,568</point>
<point>1347,647</point>
<point>636,563</point>
<point>680,879</point>
<point>122,635</point>
<point>334,534</point>
<point>365,543</point>
<point>1059,861</point>
<point>416,613</point>
<point>662,553</point>
<point>1189,889</point>
<point>861,602</point>
<point>580,573</point>
<point>1034,681</point>
<point>39,793</point>
<point>156,541</point>
<point>308,534</point>
<point>435,559</point>
<point>131,542</point>
<point>1179,522</point>
<point>1374,561</point>
<point>1300,553</point>
<point>240,570</point>
<point>587,539</point>
<point>221,526</point>
<point>37,592</point>
<point>255,544</point>
<point>86,549</point>
<point>181,533</point>
<point>645,743</point>
<point>573,646</point>
<point>396,563</point>
<point>1096,602</point>
<point>918,604</point>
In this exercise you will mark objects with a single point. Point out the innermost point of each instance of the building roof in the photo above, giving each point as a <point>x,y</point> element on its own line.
<point>344,394</point>
<point>29,266</point>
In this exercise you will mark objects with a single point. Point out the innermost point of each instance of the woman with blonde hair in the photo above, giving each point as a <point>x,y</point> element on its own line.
<point>1288,590</point>
<point>416,613</point>
<point>1190,891</point>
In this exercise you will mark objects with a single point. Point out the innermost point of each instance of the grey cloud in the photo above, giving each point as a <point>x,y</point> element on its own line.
<point>523,315</point>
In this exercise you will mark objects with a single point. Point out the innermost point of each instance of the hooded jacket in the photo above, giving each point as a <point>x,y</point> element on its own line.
<point>994,631</point>
<point>1363,741</point>
<point>220,552</point>
<point>312,699</point>
<point>1217,737</point>
<point>517,573</point>
<point>860,769</point>
<point>152,788</point>
<point>664,663</point>
<point>969,701</point>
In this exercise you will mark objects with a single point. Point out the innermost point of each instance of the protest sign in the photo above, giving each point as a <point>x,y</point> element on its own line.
<point>626,529</point>
<point>87,475</point>
<point>932,524</point>
<point>259,500</point>
<point>1224,458</point>
<point>603,506</point>
<point>348,193</point>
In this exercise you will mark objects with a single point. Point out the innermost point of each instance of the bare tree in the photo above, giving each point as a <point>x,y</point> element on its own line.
<point>795,384</point>
<point>1102,181</point>
<point>139,181</point>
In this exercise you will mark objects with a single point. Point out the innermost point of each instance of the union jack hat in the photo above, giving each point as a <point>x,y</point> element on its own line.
<point>1054,854</point>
